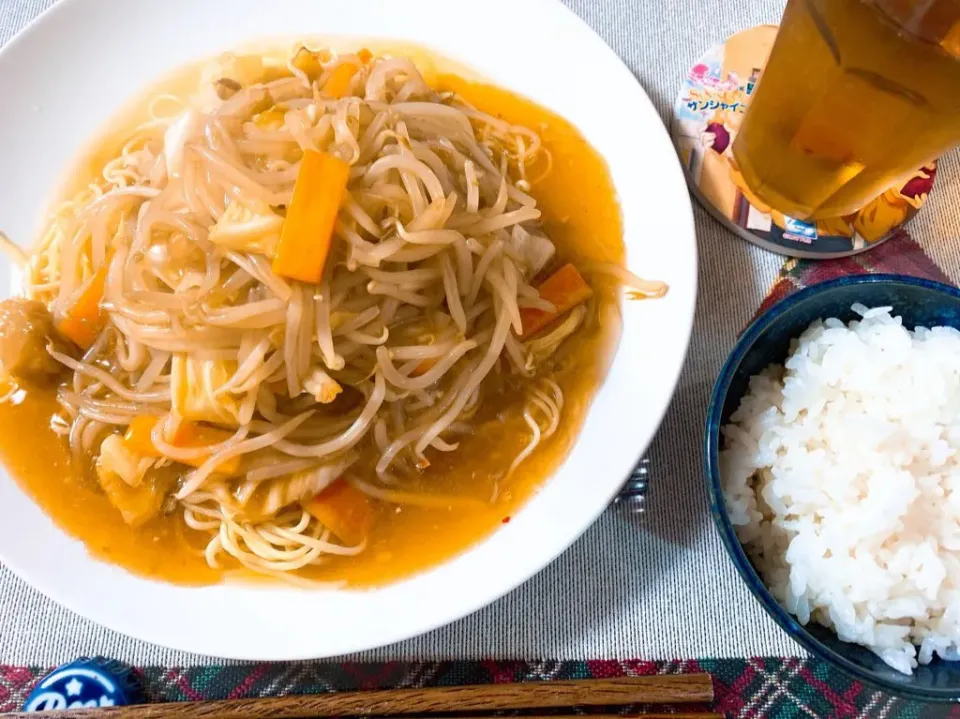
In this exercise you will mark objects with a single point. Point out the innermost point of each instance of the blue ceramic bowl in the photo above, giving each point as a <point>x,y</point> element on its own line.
<point>766,341</point>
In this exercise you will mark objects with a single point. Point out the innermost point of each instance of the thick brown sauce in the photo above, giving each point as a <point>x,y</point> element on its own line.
<point>580,213</point>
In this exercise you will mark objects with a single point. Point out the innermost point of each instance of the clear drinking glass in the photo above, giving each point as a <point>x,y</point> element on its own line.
<point>856,95</point>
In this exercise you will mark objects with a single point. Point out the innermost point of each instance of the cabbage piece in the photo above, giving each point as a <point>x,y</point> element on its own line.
<point>116,458</point>
<point>534,251</point>
<point>248,227</point>
<point>121,474</point>
<point>193,386</point>
<point>274,494</point>
<point>187,126</point>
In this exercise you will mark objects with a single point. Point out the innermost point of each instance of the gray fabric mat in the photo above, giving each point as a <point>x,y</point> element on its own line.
<point>656,587</point>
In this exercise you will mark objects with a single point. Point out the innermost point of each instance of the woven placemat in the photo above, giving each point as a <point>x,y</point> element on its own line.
<point>743,688</point>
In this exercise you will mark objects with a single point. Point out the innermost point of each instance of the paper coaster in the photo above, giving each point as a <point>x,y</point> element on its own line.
<point>706,117</point>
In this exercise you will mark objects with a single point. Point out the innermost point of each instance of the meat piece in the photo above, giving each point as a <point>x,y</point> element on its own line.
<point>26,328</point>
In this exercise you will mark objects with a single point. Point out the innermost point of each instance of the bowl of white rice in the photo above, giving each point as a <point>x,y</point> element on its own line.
<point>833,468</point>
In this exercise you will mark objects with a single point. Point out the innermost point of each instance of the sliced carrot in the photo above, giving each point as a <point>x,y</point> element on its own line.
<point>565,289</point>
<point>137,437</point>
<point>364,55</point>
<point>84,321</point>
<point>189,435</point>
<point>338,84</point>
<point>311,217</point>
<point>344,510</point>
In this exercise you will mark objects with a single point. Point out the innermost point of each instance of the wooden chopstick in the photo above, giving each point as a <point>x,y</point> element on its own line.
<point>485,698</point>
<point>212,712</point>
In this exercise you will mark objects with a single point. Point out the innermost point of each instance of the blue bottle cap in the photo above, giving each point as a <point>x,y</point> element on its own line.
<point>96,682</point>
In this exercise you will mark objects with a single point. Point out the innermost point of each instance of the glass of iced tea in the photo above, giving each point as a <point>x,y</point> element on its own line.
<point>856,95</point>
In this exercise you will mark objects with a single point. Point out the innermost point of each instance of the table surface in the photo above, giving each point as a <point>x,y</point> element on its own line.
<point>658,586</point>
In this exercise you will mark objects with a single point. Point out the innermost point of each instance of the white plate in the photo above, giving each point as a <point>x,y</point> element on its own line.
<point>64,76</point>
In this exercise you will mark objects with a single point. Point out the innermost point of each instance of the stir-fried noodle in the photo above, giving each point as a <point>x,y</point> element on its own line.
<point>284,386</point>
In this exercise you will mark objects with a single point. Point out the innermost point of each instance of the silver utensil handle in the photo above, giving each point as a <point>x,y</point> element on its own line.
<point>633,494</point>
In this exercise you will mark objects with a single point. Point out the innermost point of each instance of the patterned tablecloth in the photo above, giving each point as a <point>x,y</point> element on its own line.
<point>634,595</point>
